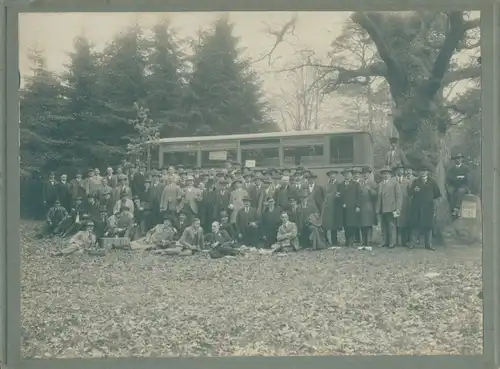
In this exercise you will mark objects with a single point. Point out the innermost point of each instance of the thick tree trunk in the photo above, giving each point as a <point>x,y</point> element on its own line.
<point>426,144</point>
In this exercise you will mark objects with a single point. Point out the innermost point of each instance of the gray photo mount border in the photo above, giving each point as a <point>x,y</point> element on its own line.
<point>10,291</point>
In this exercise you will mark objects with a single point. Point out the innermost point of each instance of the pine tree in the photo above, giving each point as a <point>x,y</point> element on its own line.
<point>42,116</point>
<point>121,85</point>
<point>166,81</point>
<point>225,91</point>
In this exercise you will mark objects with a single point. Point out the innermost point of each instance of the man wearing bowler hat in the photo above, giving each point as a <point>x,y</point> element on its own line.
<point>424,191</point>
<point>331,212</point>
<point>368,199</point>
<point>457,183</point>
<point>350,193</point>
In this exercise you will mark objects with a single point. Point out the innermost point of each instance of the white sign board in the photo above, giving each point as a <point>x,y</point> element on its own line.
<point>469,210</point>
<point>217,155</point>
<point>250,163</point>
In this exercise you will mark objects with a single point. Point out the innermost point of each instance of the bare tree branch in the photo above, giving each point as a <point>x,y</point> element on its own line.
<point>461,74</point>
<point>346,76</point>
<point>288,28</point>
<point>370,23</point>
<point>455,34</point>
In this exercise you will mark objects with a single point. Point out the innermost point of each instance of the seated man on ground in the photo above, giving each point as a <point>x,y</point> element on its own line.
<point>75,222</point>
<point>123,223</point>
<point>192,240</point>
<point>81,242</point>
<point>56,216</point>
<point>287,237</point>
<point>220,243</point>
<point>161,236</point>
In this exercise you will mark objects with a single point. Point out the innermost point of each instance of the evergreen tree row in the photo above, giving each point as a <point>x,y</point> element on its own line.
<point>82,118</point>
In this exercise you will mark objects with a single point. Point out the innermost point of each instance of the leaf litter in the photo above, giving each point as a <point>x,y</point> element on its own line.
<point>333,302</point>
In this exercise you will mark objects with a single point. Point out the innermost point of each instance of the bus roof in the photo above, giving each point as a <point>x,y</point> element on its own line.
<point>248,136</point>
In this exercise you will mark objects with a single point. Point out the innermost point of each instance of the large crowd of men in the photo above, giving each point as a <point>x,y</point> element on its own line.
<point>182,211</point>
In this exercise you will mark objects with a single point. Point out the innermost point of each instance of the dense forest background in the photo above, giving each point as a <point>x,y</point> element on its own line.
<point>394,73</point>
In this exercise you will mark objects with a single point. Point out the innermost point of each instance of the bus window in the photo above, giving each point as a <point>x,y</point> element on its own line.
<point>186,158</point>
<point>303,155</point>
<point>217,158</point>
<point>265,157</point>
<point>341,150</point>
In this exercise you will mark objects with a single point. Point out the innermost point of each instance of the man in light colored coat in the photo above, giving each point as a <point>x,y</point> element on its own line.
<point>389,204</point>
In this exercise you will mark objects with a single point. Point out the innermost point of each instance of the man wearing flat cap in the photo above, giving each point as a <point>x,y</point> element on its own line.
<point>315,191</point>
<point>190,198</point>
<point>395,156</point>
<point>457,183</point>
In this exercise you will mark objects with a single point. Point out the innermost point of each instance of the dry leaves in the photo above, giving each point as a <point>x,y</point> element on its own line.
<point>343,302</point>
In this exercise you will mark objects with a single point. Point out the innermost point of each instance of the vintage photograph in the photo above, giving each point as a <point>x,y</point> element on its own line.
<point>250,184</point>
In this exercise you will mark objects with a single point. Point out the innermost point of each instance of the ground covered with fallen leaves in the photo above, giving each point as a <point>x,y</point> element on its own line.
<point>343,302</point>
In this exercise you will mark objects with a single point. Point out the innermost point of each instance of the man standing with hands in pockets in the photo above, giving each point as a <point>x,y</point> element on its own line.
<point>389,203</point>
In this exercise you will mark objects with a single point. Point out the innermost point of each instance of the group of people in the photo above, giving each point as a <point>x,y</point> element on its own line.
<point>181,211</point>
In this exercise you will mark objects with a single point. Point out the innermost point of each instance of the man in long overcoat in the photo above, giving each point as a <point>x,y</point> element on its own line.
<point>304,227</point>
<point>316,192</point>
<point>221,199</point>
<point>350,193</point>
<point>331,213</point>
<point>257,194</point>
<point>50,191</point>
<point>368,200</point>
<point>424,191</point>
<point>457,183</point>
<point>395,156</point>
<point>403,222</point>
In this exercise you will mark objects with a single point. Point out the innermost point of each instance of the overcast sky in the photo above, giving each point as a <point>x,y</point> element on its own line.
<point>54,33</point>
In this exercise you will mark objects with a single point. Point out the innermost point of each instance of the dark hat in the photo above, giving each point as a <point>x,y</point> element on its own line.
<point>78,173</point>
<point>255,178</point>
<point>300,169</point>
<point>223,181</point>
<point>156,173</point>
<point>398,166</point>
<point>356,170</point>
<point>122,177</point>
<point>79,198</point>
<point>312,175</point>
<point>147,180</point>
<point>103,209</point>
<point>220,174</point>
<point>275,176</point>
<point>246,199</point>
<point>292,198</point>
<point>223,213</point>
<point>386,169</point>
<point>366,169</point>
<point>89,223</point>
<point>425,167</point>
<point>458,155</point>
<point>236,180</point>
<point>347,170</point>
<point>332,171</point>
<point>247,175</point>
<point>393,139</point>
<point>303,194</point>
<point>267,180</point>
<point>269,198</point>
<point>136,197</point>
<point>123,195</point>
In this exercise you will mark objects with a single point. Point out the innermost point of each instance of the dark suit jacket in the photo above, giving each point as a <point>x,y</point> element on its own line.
<point>283,194</point>
<point>137,183</point>
<point>64,194</point>
<point>243,219</point>
<point>221,202</point>
<point>50,192</point>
